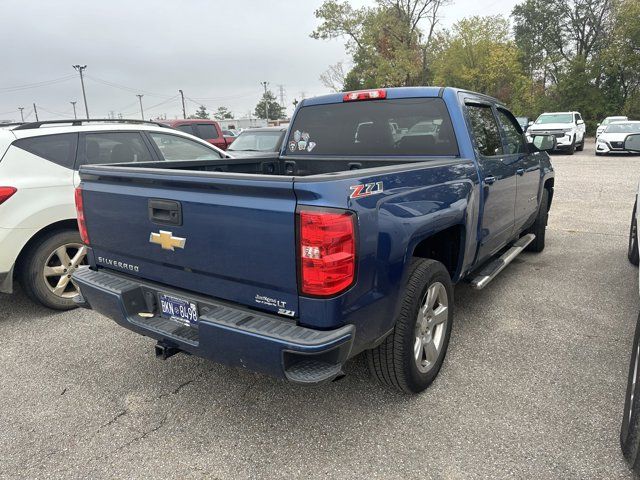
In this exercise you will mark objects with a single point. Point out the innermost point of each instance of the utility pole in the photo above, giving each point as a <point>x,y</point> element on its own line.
<point>141,110</point>
<point>281,87</point>
<point>266,100</point>
<point>21,114</point>
<point>184,110</point>
<point>74,109</point>
<point>35,110</point>
<point>80,68</point>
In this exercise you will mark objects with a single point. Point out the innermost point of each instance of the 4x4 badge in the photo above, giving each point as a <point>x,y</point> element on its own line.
<point>166,240</point>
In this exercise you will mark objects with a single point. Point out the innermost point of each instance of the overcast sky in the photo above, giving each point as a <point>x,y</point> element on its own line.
<point>217,51</point>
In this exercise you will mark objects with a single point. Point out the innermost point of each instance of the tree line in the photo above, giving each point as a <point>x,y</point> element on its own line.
<point>547,55</point>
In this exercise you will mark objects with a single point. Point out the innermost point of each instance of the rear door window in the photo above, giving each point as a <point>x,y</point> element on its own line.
<point>484,129</point>
<point>174,147</point>
<point>406,126</point>
<point>114,147</point>
<point>187,129</point>
<point>207,130</point>
<point>59,149</point>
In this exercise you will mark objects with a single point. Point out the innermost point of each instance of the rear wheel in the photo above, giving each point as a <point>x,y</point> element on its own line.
<point>630,429</point>
<point>539,227</point>
<point>410,358</point>
<point>47,266</point>
<point>632,253</point>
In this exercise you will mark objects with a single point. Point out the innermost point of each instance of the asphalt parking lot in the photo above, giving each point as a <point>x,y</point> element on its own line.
<point>532,387</point>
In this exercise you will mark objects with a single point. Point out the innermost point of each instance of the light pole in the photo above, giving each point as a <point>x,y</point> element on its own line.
<point>80,68</point>
<point>266,100</point>
<point>74,110</point>
<point>21,113</point>
<point>141,110</point>
<point>35,110</point>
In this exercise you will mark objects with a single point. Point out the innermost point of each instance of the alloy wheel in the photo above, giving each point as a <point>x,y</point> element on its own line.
<point>59,267</point>
<point>431,325</point>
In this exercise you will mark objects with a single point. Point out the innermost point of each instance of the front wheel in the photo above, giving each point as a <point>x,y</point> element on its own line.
<point>632,253</point>
<point>410,358</point>
<point>572,148</point>
<point>47,266</point>
<point>539,227</point>
<point>630,429</point>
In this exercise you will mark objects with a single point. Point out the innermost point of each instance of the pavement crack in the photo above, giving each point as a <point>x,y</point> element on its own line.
<point>569,230</point>
<point>113,420</point>
<point>144,434</point>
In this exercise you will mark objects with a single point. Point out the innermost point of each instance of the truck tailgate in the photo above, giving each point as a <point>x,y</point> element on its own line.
<point>239,233</point>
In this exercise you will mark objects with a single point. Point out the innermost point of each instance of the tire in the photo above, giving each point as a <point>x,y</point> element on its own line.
<point>581,147</point>
<point>539,227</point>
<point>393,362</point>
<point>632,251</point>
<point>572,148</point>
<point>630,428</point>
<point>52,287</point>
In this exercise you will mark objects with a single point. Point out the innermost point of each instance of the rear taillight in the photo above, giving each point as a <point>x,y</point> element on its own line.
<point>6,192</point>
<point>377,94</point>
<point>82,226</point>
<point>327,252</point>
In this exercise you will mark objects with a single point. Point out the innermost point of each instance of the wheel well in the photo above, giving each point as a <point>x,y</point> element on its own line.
<point>61,225</point>
<point>445,247</point>
<point>549,186</point>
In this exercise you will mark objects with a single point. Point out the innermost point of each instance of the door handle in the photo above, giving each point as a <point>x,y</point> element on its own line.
<point>489,180</point>
<point>520,171</point>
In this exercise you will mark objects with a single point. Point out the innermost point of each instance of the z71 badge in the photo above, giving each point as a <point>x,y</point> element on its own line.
<point>366,189</point>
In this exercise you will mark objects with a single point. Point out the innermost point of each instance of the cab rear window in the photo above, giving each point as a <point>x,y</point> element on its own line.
<point>407,126</point>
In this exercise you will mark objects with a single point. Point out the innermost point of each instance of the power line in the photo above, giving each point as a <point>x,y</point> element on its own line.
<point>125,88</point>
<point>43,83</point>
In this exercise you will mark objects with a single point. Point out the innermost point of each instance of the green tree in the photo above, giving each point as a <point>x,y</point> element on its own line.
<point>388,45</point>
<point>479,55</point>
<point>275,110</point>
<point>223,113</point>
<point>201,112</point>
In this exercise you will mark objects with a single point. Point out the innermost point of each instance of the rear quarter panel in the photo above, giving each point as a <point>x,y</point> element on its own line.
<point>417,201</point>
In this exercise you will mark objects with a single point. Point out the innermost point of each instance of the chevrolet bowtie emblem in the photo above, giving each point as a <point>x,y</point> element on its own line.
<point>166,240</point>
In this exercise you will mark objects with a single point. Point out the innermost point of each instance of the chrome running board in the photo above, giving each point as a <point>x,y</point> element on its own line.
<point>493,268</point>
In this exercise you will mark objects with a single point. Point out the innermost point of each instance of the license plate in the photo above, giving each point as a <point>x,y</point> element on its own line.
<point>179,309</point>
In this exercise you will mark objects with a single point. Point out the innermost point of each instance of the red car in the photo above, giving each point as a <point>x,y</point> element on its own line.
<point>208,130</point>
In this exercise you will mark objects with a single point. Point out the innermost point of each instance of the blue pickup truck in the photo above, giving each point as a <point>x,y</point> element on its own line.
<point>348,241</point>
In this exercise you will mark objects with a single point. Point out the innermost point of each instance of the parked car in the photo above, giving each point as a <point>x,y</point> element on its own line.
<point>602,125</point>
<point>258,141</point>
<point>630,429</point>
<point>613,138</point>
<point>208,130</point>
<point>524,123</point>
<point>568,128</point>
<point>292,265</point>
<point>39,241</point>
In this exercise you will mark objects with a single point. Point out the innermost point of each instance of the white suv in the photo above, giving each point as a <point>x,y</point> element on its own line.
<point>39,241</point>
<point>568,128</point>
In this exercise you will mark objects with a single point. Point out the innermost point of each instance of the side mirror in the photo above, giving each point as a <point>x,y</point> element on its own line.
<point>544,143</point>
<point>530,123</point>
<point>632,143</point>
<point>580,122</point>
<point>598,124</point>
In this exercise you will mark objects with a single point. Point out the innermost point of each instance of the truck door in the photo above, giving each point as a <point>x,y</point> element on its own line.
<point>498,177</point>
<point>527,168</point>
